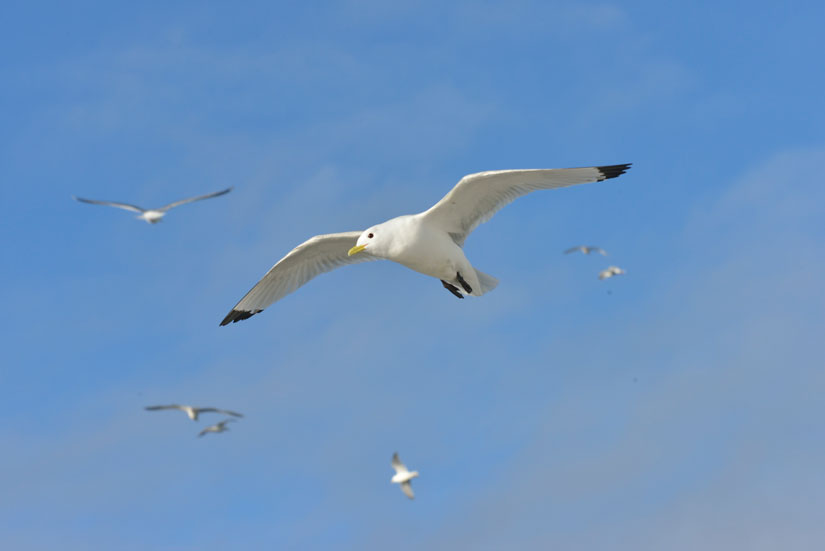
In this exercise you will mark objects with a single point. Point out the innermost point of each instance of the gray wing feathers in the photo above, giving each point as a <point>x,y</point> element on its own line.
<point>315,256</point>
<point>127,206</point>
<point>397,464</point>
<point>193,199</point>
<point>217,410</point>
<point>477,197</point>
<point>156,408</point>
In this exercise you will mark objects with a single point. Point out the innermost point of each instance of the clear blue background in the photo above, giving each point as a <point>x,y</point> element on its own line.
<point>682,410</point>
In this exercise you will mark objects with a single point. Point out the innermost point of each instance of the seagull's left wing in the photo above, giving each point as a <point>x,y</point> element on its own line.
<point>477,197</point>
<point>406,487</point>
<point>315,256</point>
<point>398,465</point>
<point>193,199</point>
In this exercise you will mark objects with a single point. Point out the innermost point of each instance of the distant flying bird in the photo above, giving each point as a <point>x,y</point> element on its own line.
<point>217,427</point>
<point>403,476</point>
<point>193,412</point>
<point>610,272</point>
<point>430,242</point>
<point>152,216</point>
<point>586,249</point>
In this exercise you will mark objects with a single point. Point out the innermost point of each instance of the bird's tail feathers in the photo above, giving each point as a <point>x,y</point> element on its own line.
<point>488,282</point>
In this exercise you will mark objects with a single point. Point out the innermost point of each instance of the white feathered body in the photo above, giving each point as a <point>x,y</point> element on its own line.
<point>424,248</point>
<point>404,476</point>
<point>152,216</point>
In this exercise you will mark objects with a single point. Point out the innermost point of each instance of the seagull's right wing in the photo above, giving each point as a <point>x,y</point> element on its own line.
<point>573,249</point>
<point>406,487</point>
<point>126,206</point>
<point>170,406</point>
<point>315,256</point>
<point>193,199</point>
<point>226,411</point>
<point>477,197</point>
<point>398,465</point>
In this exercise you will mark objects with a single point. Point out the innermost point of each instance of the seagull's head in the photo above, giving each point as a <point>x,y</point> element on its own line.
<point>385,239</point>
<point>370,240</point>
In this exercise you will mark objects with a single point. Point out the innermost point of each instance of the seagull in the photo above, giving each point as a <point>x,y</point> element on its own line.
<point>152,216</point>
<point>430,242</point>
<point>217,427</point>
<point>193,412</point>
<point>403,476</point>
<point>586,249</point>
<point>610,272</point>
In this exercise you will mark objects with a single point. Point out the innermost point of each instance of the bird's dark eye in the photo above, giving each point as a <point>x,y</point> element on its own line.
<point>369,236</point>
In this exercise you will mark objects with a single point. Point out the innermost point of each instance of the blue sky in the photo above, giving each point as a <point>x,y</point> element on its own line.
<point>682,410</point>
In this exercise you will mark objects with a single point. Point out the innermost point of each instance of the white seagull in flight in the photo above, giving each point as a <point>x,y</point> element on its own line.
<point>193,412</point>
<point>217,427</point>
<point>610,272</point>
<point>152,216</point>
<point>403,476</point>
<point>586,249</point>
<point>430,242</point>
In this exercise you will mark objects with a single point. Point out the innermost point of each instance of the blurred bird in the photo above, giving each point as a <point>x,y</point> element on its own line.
<point>610,272</point>
<point>403,476</point>
<point>193,412</point>
<point>217,427</point>
<point>586,249</point>
<point>430,242</point>
<point>152,216</point>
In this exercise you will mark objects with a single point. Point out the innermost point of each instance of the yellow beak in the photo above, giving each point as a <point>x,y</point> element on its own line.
<point>356,249</point>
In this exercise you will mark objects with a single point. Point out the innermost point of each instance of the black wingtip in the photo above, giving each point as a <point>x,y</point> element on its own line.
<point>612,171</point>
<point>238,315</point>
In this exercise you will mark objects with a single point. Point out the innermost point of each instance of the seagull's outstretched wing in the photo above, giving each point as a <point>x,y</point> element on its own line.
<point>225,411</point>
<point>193,199</point>
<point>398,465</point>
<point>580,248</point>
<point>170,406</point>
<point>126,206</point>
<point>599,250</point>
<point>315,256</point>
<point>406,487</point>
<point>477,197</point>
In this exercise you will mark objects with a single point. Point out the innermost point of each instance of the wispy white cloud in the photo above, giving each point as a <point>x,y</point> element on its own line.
<point>525,20</point>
